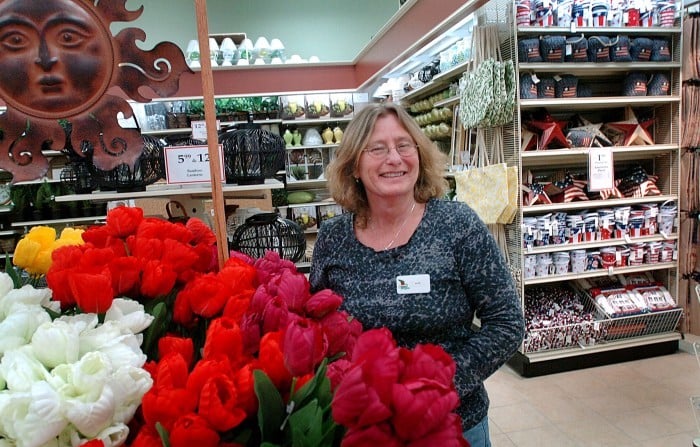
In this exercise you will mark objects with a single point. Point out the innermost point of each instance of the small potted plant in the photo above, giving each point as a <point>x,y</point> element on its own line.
<point>42,201</point>
<point>271,106</point>
<point>21,203</point>
<point>196,110</point>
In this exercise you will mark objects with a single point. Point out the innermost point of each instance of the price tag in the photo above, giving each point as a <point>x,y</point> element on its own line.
<point>189,164</point>
<point>199,129</point>
<point>601,173</point>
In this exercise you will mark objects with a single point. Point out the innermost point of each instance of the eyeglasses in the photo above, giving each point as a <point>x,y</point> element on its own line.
<point>405,149</point>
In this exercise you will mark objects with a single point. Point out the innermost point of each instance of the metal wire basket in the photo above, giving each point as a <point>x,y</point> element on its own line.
<point>251,154</point>
<point>269,232</point>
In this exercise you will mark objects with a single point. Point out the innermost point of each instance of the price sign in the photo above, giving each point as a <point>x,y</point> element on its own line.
<point>199,129</point>
<point>601,173</point>
<point>189,164</point>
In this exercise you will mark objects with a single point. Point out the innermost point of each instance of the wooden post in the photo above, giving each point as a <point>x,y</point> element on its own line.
<point>212,135</point>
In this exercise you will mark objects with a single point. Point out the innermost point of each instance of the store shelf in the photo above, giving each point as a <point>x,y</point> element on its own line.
<point>596,103</point>
<point>596,68</point>
<point>317,146</point>
<point>600,243</point>
<point>66,221</point>
<point>600,272</point>
<point>313,121</point>
<point>8,232</point>
<point>607,30</point>
<point>549,157</point>
<point>166,191</point>
<point>439,82</point>
<point>584,204</point>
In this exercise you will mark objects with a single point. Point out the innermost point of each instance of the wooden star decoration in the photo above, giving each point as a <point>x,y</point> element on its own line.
<point>528,139</point>
<point>550,131</point>
<point>594,129</point>
<point>631,131</point>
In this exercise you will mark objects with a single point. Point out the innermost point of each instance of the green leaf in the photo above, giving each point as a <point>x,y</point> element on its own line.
<point>311,388</point>
<point>271,408</point>
<point>163,433</point>
<point>12,272</point>
<point>306,425</point>
<point>155,330</point>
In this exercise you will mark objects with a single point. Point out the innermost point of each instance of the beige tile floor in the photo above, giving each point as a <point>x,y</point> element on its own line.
<point>641,403</point>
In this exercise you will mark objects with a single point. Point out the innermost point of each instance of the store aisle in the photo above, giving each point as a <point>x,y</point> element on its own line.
<point>642,403</point>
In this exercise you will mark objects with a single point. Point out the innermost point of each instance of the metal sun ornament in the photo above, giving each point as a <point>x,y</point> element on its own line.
<point>59,61</point>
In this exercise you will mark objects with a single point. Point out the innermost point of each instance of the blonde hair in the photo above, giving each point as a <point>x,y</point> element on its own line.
<point>348,192</point>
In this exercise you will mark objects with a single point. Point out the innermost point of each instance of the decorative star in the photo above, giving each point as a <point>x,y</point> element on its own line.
<point>598,137</point>
<point>632,131</point>
<point>528,139</point>
<point>550,131</point>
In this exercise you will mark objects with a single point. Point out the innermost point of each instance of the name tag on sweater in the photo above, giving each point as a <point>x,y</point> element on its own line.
<point>408,284</point>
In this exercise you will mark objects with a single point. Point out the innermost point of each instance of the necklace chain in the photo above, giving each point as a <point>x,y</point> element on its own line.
<point>391,242</point>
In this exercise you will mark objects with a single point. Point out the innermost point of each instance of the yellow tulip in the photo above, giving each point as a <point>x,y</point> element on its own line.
<point>72,236</point>
<point>33,251</point>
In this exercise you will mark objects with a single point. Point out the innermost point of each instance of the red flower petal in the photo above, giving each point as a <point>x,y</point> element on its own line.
<point>304,346</point>
<point>192,430</point>
<point>218,403</point>
<point>92,292</point>
<point>123,221</point>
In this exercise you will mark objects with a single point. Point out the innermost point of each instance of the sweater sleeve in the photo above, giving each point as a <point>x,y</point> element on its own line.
<point>492,293</point>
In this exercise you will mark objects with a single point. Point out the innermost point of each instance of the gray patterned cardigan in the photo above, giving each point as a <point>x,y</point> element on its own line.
<point>468,276</point>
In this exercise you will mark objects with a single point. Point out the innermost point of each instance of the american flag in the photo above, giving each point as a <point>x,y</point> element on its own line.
<point>602,54</point>
<point>534,193</point>
<point>664,51</point>
<point>640,88</point>
<point>622,51</point>
<point>614,192</point>
<point>580,55</point>
<point>533,53</point>
<point>568,92</point>
<point>643,55</point>
<point>554,55</point>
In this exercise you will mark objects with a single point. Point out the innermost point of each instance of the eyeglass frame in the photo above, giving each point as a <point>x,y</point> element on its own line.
<point>381,151</point>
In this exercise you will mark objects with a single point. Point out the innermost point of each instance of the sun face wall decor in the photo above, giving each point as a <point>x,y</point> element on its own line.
<point>60,62</point>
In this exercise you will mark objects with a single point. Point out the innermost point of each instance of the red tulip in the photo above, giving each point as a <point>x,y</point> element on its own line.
<point>271,359</point>
<point>304,346</point>
<point>158,279</point>
<point>123,221</point>
<point>147,436</point>
<point>201,232</point>
<point>179,256</point>
<point>237,304</point>
<point>448,434</point>
<point>171,344</point>
<point>92,292</point>
<point>224,338</point>
<point>322,303</point>
<point>293,288</point>
<point>341,331</point>
<point>145,248</point>
<point>126,274</point>
<point>206,294</point>
<point>380,434</point>
<point>218,403</point>
<point>205,369</point>
<point>192,430</point>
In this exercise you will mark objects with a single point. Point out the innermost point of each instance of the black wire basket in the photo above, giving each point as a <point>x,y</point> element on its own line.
<point>251,154</point>
<point>264,232</point>
<point>148,169</point>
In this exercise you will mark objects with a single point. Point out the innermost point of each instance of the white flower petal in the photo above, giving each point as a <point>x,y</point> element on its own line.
<point>17,328</point>
<point>56,343</point>
<point>33,418</point>
<point>129,314</point>
<point>21,369</point>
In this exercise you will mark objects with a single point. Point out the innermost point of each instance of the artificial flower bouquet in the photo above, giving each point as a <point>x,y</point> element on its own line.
<point>241,355</point>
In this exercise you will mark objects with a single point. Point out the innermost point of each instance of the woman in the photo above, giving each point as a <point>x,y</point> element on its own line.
<point>404,259</point>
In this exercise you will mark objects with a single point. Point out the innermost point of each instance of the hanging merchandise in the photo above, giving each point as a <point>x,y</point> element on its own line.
<point>488,96</point>
<point>484,187</point>
<point>252,154</point>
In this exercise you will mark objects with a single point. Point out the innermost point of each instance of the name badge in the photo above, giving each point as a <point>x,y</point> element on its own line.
<point>409,284</point>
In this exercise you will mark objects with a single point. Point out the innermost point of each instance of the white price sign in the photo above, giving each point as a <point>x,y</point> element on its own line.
<point>199,129</point>
<point>601,174</point>
<point>189,164</point>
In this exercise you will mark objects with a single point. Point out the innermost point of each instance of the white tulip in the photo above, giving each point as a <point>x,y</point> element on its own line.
<point>129,314</point>
<point>17,328</point>
<point>21,369</point>
<point>32,418</point>
<point>90,407</point>
<point>55,343</point>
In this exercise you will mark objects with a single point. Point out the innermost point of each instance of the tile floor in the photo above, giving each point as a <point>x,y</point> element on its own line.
<point>642,403</point>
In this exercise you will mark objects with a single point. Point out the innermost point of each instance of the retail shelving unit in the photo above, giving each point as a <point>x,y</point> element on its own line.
<point>631,336</point>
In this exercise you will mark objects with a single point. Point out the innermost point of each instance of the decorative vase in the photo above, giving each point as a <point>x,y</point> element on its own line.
<point>288,137</point>
<point>338,135</point>
<point>327,136</point>
<point>296,135</point>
